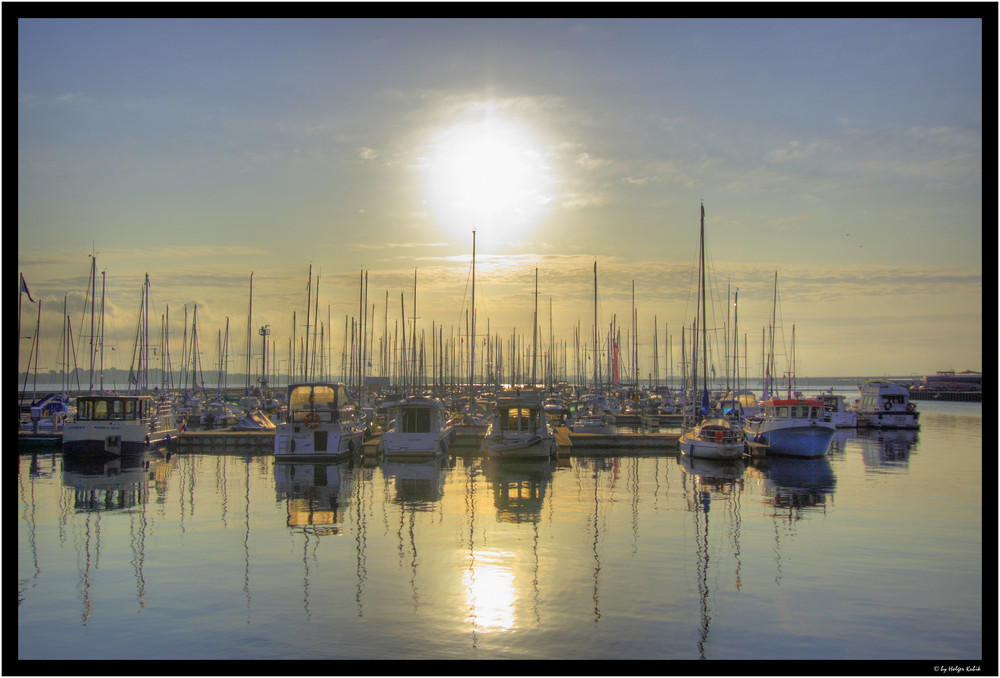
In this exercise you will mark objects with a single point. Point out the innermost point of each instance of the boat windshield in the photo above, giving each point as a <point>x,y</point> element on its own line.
<point>319,398</point>
<point>415,420</point>
<point>517,418</point>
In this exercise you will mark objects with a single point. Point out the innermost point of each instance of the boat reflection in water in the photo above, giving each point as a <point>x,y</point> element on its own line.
<point>712,480</point>
<point>417,484</point>
<point>117,485</point>
<point>111,483</point>
<point>519,487</point>
<point>886,450</point>
<point>795,485</point>
<point>315,495</point>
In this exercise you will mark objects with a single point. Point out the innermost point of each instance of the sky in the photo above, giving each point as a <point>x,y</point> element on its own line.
<point>843,156</point>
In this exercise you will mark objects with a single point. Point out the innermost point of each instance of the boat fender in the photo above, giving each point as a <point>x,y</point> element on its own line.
<point>311,420</point>
<point>147,440</point>
<point>443,445</point>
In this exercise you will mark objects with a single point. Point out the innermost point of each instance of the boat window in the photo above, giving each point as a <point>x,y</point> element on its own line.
<point>313,397</point>
<point>417,420</point>
<point>117,409</point>
<point>101,409</point>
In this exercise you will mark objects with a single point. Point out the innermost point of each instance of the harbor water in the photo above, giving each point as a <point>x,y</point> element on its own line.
<point>871,553</point>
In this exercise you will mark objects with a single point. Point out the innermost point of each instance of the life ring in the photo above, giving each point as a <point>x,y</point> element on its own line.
<point>910,407</point>
<point>311,420</point>
<point>888,406</point>
<point>718,436</point>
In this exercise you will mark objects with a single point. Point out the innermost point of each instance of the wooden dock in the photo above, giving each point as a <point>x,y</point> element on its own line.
<point>617,442</point>
<point>262,442</point>
<point>225,442</point>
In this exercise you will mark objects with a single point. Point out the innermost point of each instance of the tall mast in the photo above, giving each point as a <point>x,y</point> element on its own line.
<point>534,333</point>
<point>249,332</point>
<point>704,316</point>
<point>305,354</point>
<point>93,292</point>
<point>595,386</point>
<point>472,339</point>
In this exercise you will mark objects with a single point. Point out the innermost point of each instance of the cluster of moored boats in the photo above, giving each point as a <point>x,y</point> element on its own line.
<point>320,419</point>
<point>795,426</point>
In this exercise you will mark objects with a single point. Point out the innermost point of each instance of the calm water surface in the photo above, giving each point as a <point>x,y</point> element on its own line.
<point>872,553</point>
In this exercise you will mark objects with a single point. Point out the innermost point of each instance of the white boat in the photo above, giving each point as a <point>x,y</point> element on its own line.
<point>884,404</point>
<point>589,416</point>
<point>712,437</point>
<point>218,413</point>
<point>320,424</point>
<point>716,438</point>
<point>419,428</point>
<point>472,421</point>
<point>254,420</point>
<point>118,424</point>
<point>793,427</point>
<point>519,427</point>
<point>51,413</point>
<point>837,410</point>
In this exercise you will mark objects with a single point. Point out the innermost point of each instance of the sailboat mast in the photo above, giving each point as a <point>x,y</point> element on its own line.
<point>534,334</point>
<point>596,386</point>
<point>305,353</point>
<point>704,317</point>
<point>472,338</point>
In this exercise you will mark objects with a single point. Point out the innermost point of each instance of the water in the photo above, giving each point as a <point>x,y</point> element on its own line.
<point>872,553</point>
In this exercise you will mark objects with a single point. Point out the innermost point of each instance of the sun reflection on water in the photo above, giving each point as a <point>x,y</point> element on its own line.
<point>490,590</point>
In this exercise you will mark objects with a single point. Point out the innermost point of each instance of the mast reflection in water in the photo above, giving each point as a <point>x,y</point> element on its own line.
<point>603,557</point>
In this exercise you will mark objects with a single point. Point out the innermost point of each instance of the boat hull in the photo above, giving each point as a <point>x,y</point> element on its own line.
<point>104,438</point>
<point>319,444</point>
<point>703,449</point>
<point>796,441</point>
<point>414,446</point>
<point>531,447</point>
<point>893,420</point>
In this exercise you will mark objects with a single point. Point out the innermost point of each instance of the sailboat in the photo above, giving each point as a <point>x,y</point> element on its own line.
<point>790,426</point>
<point>712,437</point>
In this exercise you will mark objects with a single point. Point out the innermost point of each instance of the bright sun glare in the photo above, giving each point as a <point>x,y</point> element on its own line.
<point>488,175</point>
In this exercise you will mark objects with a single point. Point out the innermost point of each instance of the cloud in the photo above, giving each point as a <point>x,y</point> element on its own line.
<point>366,153</point>
<point>795,151</point>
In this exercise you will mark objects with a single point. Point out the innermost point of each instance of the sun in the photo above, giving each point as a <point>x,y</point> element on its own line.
<point>487,174</point>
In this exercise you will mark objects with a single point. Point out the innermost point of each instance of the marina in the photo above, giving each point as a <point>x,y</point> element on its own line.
<point>225,553</point>
<point>600,434</point>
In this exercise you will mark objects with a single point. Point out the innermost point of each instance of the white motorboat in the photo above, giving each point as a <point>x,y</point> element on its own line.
<point>320,424</point>
<point>587,416</point>
<point>837,410</point>
<point>118,424</point>
<point>519,427</point>
<point>884,404</point>
<point>419,428</point>
<point>716,438</point>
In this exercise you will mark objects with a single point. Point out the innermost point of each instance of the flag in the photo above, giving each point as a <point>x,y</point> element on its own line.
<point>24,288</point>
